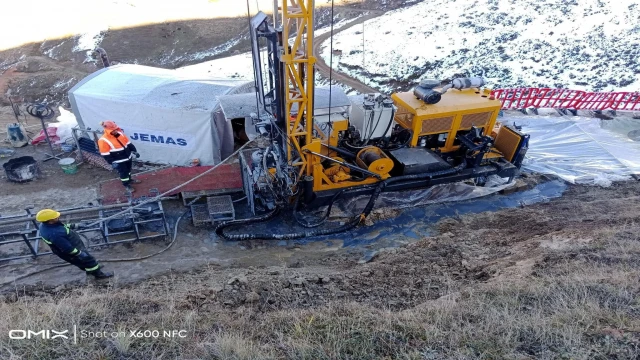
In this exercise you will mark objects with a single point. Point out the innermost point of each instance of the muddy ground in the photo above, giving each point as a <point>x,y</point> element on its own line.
<point>53,188</point>
<point>486,247</point>
<point>463,249</point>
<point>550,280</point>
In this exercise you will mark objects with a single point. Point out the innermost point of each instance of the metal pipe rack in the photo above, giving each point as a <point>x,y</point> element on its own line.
<point>147,222</point>
<point>87,133</point>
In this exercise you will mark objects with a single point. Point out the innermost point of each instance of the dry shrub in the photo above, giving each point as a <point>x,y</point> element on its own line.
<point>545,317</point>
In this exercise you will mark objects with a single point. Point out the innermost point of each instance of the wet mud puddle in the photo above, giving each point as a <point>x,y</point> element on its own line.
<point>408,225</point>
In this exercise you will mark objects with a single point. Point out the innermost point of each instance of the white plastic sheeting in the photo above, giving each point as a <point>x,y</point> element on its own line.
<point>171,117</point>
<point>457,191</point>
<point>579,150</point>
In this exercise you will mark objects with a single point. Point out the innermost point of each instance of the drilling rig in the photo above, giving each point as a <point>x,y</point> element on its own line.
<point>443,131</point>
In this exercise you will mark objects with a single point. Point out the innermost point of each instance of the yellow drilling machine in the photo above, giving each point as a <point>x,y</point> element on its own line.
<point>440,132</point>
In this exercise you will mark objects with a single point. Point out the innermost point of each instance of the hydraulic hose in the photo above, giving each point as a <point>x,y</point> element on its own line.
<point>406,142</point>
<point>355,221</point>
<point>353,148</point>
<point>344,153</point>
<point>373,130</point>
<point>356,149</point>
<point>291,236</point>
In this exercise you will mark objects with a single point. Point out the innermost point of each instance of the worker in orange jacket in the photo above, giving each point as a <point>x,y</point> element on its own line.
<point>118,151</point>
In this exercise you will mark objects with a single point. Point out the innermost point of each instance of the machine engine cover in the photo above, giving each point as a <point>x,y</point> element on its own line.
<point>409,161</point>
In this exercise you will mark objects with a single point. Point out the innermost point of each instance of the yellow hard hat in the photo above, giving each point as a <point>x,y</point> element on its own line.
<point>46,215</point>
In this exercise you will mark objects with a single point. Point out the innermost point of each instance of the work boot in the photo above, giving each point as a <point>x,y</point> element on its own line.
<point>99,274</point>
<point>129,189</point>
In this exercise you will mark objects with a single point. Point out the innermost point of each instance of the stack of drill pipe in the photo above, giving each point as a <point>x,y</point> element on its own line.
<point>31,217</point>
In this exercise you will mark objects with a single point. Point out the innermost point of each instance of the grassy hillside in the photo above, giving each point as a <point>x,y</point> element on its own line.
<point>557,280</point>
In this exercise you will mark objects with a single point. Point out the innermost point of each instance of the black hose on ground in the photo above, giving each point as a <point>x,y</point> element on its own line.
<point>297,235</point>
<point>291,236</point>
<point>259,218</point>
<point>347,226</point>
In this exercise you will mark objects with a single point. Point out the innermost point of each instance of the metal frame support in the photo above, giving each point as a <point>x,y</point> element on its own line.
<point>30,235</point>
<point>287,92</point>
<point>269,85</point>
<point>298,18</point>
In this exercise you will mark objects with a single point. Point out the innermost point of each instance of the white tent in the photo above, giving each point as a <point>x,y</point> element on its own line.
<point>171,117</point>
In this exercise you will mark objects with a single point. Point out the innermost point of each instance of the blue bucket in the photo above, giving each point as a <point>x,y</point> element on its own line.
<point>68,146</point>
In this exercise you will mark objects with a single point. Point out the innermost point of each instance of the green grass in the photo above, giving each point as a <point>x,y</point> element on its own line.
<point>549,316</point>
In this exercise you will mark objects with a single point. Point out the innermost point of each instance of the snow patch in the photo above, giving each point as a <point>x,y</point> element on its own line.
<point>88,42</point>
<point>580,44</point>
<point>50,53</point>
<point>62,83</point>
<point>220,49</point>
<point>235,67</point>
<point>216,50</point>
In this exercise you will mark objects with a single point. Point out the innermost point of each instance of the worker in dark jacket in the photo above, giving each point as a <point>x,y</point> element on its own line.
<point>118,151</point>
<point>66,243</point>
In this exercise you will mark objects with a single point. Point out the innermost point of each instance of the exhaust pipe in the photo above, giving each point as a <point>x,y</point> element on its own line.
<point>426,90</point>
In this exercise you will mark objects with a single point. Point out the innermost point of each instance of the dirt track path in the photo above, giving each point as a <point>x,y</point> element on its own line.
<point>324,68</point>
